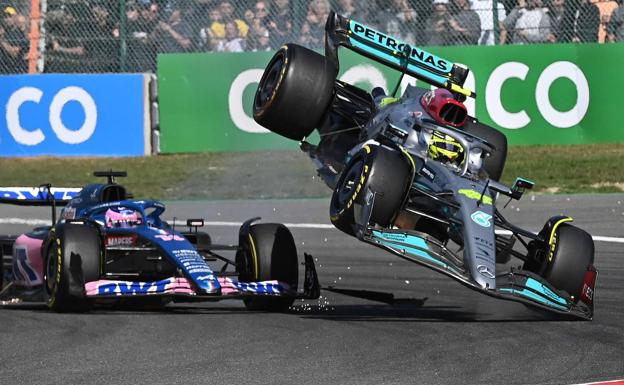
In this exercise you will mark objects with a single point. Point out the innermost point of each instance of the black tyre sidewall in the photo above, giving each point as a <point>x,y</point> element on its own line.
<point>574,252</point>
<point>272,256</point>
<point>302,93</point>
<point>385,172</point>
<point>341,209</point>
<point>69,241</point>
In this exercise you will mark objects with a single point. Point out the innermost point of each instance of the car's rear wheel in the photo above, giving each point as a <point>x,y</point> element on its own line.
<point>73,258</point>
<point>294,92</point>
<point>495,163</point>
<point>377,169</point>
<point>270,254</point>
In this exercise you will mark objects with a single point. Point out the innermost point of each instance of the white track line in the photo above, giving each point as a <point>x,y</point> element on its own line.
<point>614,382</point>
<point>44,222</point>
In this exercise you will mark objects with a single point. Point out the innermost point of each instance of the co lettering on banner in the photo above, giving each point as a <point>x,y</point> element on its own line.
<point>34,135</point>
<point>74,115</point>
<point>556,70</point>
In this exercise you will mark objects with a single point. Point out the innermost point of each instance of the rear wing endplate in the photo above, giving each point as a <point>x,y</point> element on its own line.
<point>422,65</point>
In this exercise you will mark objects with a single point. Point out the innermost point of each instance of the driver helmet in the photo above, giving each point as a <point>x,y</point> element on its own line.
<point>444,148</point>
<point>121,217</point>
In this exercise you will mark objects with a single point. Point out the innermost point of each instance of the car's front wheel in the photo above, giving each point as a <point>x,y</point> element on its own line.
<point>567,264</point>
<point>377,169</point>
<point>73,258</point>
<point>269,254</point>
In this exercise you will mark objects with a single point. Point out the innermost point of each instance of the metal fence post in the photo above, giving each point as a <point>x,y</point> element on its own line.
<point>123,46</point>
<point>495,22</point>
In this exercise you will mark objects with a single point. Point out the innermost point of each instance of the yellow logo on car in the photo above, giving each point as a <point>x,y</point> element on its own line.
<point>472,194</point>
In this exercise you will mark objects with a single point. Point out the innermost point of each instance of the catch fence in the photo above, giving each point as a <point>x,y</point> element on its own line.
<point>102,36</point>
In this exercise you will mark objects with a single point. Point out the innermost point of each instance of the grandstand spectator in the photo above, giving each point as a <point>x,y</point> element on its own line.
<point>103,44</point>
<point>13,43</point>
<point>209,36</point>
<point>142,49</point>
<point>401,20</point>
<point>281,23</point>
<point>464,24</point>
<point>233,42</point>
<point>556,12</point>
<point>528,23</point>
<point>261,13</point>
<point>259,40</point>
<point>581,22</point>
<point>66,46</point>
<point>615,28</point>
<point>486,14</point>
<point>227,11</point>
<point>313,29</point>
<point>359,10</point>
<point>248,16</point>
<point>217,26</point>
<point>346,8</point>
<point>175,35</point>
<point>436,25</point>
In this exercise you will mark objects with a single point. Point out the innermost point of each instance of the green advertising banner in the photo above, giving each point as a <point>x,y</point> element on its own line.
<point>537,94</point>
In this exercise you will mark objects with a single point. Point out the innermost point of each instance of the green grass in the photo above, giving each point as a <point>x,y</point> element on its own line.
<point>285,174</point>
<point>568,169</point>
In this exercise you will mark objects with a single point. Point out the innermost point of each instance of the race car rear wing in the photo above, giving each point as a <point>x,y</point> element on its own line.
<point>422,65</point>
<point>44,195</point>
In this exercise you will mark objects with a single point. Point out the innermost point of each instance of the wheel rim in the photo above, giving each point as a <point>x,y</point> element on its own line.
<point>51,269</point>
<point>270,81</point>
<point>349,182</point>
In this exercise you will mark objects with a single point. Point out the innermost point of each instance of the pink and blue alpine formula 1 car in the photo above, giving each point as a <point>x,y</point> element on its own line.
<point>107,247</point>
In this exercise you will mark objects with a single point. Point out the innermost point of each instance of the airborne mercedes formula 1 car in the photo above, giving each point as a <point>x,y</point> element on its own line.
<point>107,247</point>
<point>415,175</point>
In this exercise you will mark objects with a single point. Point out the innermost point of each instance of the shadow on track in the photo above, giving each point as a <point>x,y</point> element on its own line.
<point>388,309</point>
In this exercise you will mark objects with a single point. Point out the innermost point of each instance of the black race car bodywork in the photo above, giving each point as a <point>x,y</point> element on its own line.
<point>415,175</point>
<point>107,247</point>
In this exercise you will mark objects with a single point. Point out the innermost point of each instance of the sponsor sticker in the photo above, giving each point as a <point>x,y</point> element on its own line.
<point>418,55</point>
<point>486,271</point>
<point>121,240</point>
<point>169,237</point>
<point>589,282</point>
<point>472,194</point>
<point>429,174</point>
<point>481,218</point>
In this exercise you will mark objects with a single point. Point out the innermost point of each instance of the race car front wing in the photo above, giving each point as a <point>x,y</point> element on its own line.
<point>229,288</point>
<point>515,285</point>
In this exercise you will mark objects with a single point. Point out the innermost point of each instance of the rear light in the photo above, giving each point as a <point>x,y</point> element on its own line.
<point>444,108</point>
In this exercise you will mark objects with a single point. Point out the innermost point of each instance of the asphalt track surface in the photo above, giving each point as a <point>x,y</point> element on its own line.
<point>436,332</point>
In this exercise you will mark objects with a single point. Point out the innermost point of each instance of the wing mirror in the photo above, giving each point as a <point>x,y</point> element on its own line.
<point>520,186</point>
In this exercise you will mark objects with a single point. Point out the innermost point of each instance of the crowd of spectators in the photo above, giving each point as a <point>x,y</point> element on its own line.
<point>14,44</point>
<point>90,35</point>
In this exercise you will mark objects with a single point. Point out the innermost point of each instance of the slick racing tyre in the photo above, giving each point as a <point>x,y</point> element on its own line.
<point>295,92</point>
<point>73,257</point>
<point>495,163</point>
<point>568,262</point>
<point>378,169</point>
<point>272,256</point>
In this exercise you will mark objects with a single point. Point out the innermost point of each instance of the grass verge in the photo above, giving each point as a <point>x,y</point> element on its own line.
<point>568,169</point>
<point>285,174</point>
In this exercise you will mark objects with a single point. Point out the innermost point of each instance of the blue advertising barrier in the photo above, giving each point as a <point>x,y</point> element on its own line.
<point>73,115</point>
